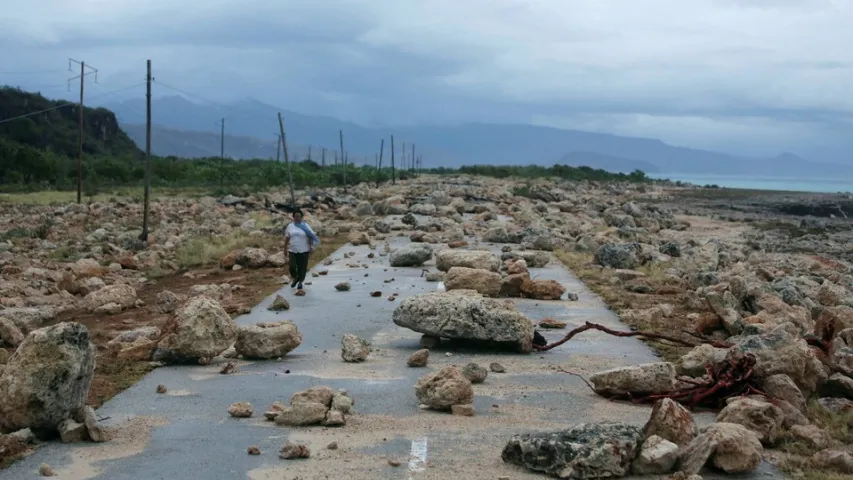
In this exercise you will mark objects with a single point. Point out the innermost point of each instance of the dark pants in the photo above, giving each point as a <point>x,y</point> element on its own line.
<point>298,266</point>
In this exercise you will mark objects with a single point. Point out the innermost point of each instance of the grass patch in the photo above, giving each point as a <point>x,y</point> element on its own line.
<point>65,254</point>
<point>113,377</point>
<point>208,250</point>
<point>56,197</point>
<point>599,280</point>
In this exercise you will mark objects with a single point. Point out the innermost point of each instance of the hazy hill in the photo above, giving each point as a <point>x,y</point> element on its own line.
<point>58,130</point>
<point>453,145</point>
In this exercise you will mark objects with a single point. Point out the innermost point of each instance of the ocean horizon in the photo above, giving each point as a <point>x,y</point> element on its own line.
<point>788,184</point>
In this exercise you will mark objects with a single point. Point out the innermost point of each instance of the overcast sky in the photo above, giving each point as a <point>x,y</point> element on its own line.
<point>743,76</point>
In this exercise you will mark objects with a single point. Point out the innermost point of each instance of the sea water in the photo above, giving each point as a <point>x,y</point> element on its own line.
<point>786,184</point>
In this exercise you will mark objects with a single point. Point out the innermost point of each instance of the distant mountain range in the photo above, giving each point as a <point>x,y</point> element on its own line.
<point>189,129</point>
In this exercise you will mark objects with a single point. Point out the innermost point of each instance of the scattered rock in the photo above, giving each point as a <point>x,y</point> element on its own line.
<point>475,373</point>
<point>343,287</point>
<point>463,410</point>
<point>241,410</point>
<point>551,323</point>
<point>292,451</point>
<point>443,389</point>
<point>763,418</point>
<point>657,457</point>
<point>671,421</point>
<point>419,358</point>
<point>483,281</point>
<point>253,450</point>
<point>45,470</point>
<point>497,367</point>
<point>354,349</point>
<point>447,259</point>
<point>161,388</point>
<point>413,256</point>
<point>201,329</point>
<point>279,304</point>
<point>643,379</point>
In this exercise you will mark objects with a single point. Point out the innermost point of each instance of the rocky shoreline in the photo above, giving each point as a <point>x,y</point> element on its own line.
<point>732,273</point>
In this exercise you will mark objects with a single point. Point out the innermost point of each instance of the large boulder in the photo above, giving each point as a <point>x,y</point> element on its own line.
<point>411,256</point>
<point>444,389</point>
<point>447,259</point>
<point>763,418</point>
<point>783,351</point>
<point>466,318</point>
<point>623,256</point>
<point>542,289</point>
<point>28,319</point>
<point>267,340</point>
<point>585,451</point>
<point>643,379</point>
<point>671,421</point>
<point>47,379</point>
<point>483,281</point>
<point>123,295</point>
<point>200,330</point>
<point>731,448</point>
<point>251,257</point>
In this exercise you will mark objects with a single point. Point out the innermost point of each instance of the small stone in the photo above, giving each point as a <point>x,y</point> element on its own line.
<point>228,369</point>
<point>497,367</point>
<point>161,388</point>
<point>292,450</point>
<point>376,294</point>
<point>253,450</point>
<point>419,358</point>
<point>279,304</point>
<point>394,463</point>
<point>332,446</point>
<point>46,471</point>
<point>343,287</point>
<point>475,373</point>
<point>300,293</point>
<point>551,323</point>
<point>241,410</point>
<point>354,349</point>
<point>466,410</point>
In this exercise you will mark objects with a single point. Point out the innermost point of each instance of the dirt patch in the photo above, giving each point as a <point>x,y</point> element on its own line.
<point>115,375</point>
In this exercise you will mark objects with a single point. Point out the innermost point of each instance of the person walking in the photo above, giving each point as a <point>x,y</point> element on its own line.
<point>299,242</point>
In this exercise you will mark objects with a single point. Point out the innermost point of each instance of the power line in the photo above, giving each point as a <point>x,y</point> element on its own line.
<point>33,72</point>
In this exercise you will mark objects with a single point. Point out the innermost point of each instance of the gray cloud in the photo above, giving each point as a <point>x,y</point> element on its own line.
<point>759,76</point>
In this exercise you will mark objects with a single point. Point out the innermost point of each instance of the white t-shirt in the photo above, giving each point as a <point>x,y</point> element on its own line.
<point>298,239</point>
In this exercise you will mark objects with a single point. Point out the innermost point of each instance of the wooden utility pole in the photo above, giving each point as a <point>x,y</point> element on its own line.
<point>309,153</point>
<point>286,160</point>
<point>323,158</point>
<point>343,159</point>
<point>278,148</point>
<point>379,169</point>
<point>414,158</point>
<point>403,166</point>
<point>147,200</point>
<point>222,154</point>
<point>80,107</point>
<point>393,175</point>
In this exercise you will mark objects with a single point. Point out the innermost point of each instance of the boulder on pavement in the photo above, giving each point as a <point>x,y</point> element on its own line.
<point>447,259</point>
<point>47,379</point>
<point>485,282</point>
<point>542,289</point>
<point>267,340</point>
<point>464,317</point>
<point>201,329</point>
<point>582,452</point>
<point>413,256</point>
<point>657,457</point>
<point>643,379</point>
<point>763,418</point>
<point>671,421</point>
<point>731,448</point>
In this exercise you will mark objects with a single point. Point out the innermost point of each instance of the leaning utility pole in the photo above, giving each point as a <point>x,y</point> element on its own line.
<point>80,107</point>
<point>344,160</point>
<point>286,160</point>
<point>278,148</point>
<point>146,208</point>
<point>393,175</point>
<point>379,169</point>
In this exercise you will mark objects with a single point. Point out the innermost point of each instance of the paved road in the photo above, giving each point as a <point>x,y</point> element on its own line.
<point>188,434</point>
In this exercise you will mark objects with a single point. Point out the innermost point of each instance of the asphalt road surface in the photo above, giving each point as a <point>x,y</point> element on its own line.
<point>188,434</point>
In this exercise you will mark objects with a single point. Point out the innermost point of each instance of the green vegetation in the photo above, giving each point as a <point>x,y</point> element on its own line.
<point>39,153</point>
